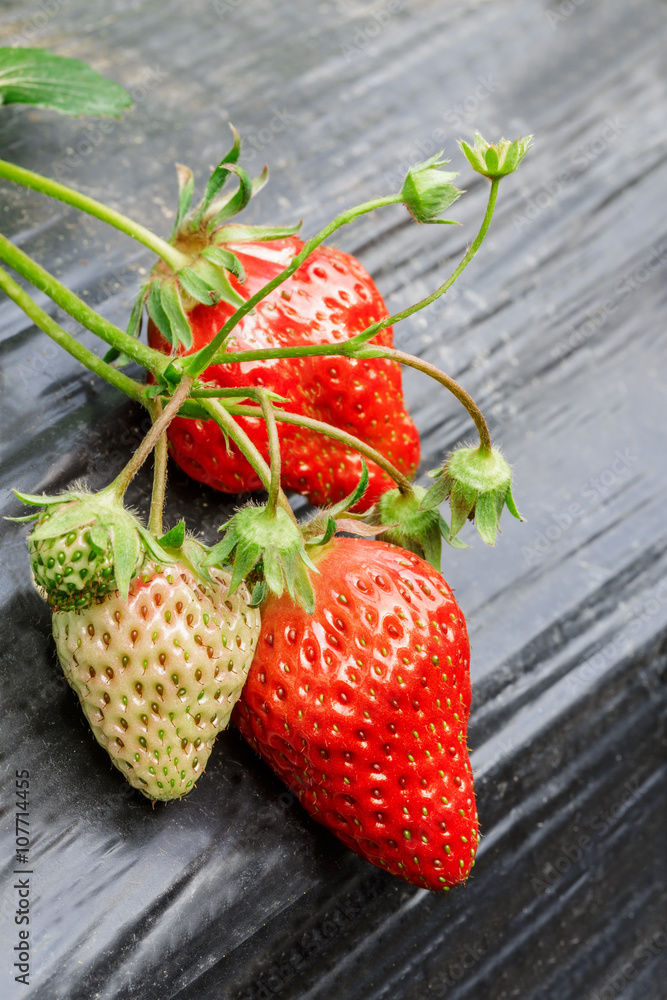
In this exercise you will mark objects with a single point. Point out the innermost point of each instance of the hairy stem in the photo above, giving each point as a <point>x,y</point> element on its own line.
<point>274,449</point>
<point>123,480</point>
<point>154,361</point>
<point>169,254</point>
<point>159,474</point>
<point>68,342</point>
<point>447,381</point>
<point>229,426</point>
<point>356,444</point>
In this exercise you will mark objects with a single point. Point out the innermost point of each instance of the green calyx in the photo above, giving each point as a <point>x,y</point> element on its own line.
<point>478,484</point>
<point>427,191</point>
<point>84,546</point>
<point>201,234</point>
<point>419,530</point>
<point>268,552</point>
<point>495,159</point>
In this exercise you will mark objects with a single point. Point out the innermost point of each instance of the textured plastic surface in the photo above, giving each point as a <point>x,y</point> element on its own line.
<point>556,329</point>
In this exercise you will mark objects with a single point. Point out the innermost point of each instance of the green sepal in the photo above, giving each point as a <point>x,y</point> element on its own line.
<point>197,288</point>
<point>37,500</point>
<point>158,315</point>
<point>409,526</point>
<point>126,552</point>
<point>219,177</point>
<point>232,206</point>
<point>216,279</point>
<point>319,529</point>
<point>259,594</point>
<point>225,258</point>
<point>186,187</point>
<point>427,190</point>
<point>170,300</point>
<point>174,538</point>
<point>118,358</point>
<point>63,521</point>
<point>265,544</point>
<point>478,484</point>
<point>246,234</point>
<point>494,160</point>
<point>22,520</point>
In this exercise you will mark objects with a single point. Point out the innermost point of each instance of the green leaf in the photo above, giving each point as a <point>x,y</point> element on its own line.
<point>245,234</point>
<point>172,306</point>
<point>174,538</point>
<point>44,80</point>
<point>225,258</point>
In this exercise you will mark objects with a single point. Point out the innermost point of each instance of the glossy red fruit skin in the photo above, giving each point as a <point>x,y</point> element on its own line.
<point>362,710</point>
<point>329,299</point>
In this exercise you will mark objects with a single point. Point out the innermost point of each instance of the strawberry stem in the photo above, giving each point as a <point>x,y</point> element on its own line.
<point>349,440</point>
<point>274,449</point>
<point>125,477</point>
<point>169,254</point>
<point>69,343</point>
<point>231,428</point>
<point>200,360</point>
<point>446,380</point>
<point>159,474</point>
<point>153,360</point>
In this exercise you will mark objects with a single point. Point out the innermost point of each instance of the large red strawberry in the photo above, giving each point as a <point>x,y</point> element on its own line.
<point>329,299</point>
<point>362,709</point>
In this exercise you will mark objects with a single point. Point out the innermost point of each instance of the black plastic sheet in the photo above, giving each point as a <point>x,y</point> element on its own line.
<point>556,329</point>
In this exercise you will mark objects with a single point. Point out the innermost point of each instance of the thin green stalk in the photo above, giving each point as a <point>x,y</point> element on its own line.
<point>348,348</point>
<point>154,361</point>
<point>198,362</point>
<point>229,426</point>
<point>159,474</point>
<point>274,450</point>
<point>446,380</point>
<point>125,477</point>
<point>169,254</point>
<point>68,342</point>
<point>282,416</point>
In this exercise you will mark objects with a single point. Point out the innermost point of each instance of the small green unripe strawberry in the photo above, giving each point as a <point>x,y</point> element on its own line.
<point>158,674</point>
<point>84,546</point>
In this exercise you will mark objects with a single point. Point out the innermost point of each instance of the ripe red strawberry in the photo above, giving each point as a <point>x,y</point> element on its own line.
<point>329,299</point>
<point>158,674</point>
<point>362,709</point>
